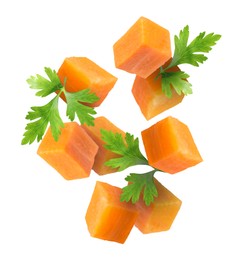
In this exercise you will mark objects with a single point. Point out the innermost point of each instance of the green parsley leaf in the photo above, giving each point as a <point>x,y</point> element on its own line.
<point>140,184</point>
<point>46,86</point>
<point>74,106</point>
<point>185,53</point>
<point>192,53</point>
<point>42,116</point>
<point>178,81</point>
<point>130,155</point>
<point>127,147</point>
<point>45,114</point>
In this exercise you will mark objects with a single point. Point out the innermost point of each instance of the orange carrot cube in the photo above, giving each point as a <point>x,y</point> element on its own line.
<point>107,217</point>
<point>143,48</point>
<point>103,155</point>
<point>149,95</point>
<point>169,146</point>
<point>79,73</point>
<point>72,155</point>
<point>161,213</point>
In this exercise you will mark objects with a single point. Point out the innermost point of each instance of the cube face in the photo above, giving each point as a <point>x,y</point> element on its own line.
<point>107,217</point>
<point>112,230</point>
<point>143,48</point>
<point>103,155</point>
<point>82,73</point>
<point>150,98</point>
<point>160,215</point>
<point>170,146</point>
<point>72,155</point>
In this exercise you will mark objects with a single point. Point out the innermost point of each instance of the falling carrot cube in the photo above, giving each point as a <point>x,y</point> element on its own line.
<point>72,155</point>
<point>161,213</point>
<point>107,217</point>
<point>78,73</point>
<point>169,146</point>
<point>143,48</point>
<point>103,154</point>
<point>149,96</point>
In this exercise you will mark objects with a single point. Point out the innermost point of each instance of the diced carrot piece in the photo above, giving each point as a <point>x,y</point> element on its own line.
<point>72,155</point>
<point>161,213</point>
<point>150,97</point>
<point>103,154</point>
<point>81,73</point>
<point>143,48</point>
<point>169,146</point>
<point>107,217</point>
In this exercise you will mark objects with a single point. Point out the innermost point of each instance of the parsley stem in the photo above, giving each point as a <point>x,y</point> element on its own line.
<point>174,62</point>
<point>163,70</point>
<point>141,161</point>
<point>151,173</point>
<point>60,91</point>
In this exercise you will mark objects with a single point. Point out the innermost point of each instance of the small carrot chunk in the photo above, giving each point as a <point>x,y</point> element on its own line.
<point>103,155</point>
<point>78,73</point>
<point>149,96</point>
<point>72,155</point>
<point>107,217</point>
<point>143,48</point>
<point>169,146</point>
<point>161,213</point>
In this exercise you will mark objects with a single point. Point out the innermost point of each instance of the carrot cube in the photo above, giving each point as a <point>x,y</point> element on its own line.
<point>169,146</point>
<point>103,154</point>
<point>150,98</point>
<point>161,213</point>
<point>79,73</point>
<point>107,217</point>
<point>72,155</point>
<point>143,48</point>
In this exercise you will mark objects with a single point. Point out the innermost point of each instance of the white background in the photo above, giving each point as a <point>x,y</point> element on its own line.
<point>41,214</point>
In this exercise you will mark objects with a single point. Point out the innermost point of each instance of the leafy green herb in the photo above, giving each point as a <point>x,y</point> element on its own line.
<point>192,53</point>
<point>45,114</point>
<point>42,116</point>
<point>185,53</point>
<point>177,80</point>
<point>140,184</point>
<point>45,86</point>
<point>130,155</point>
<point>75,107</point>
<point>127,147</point>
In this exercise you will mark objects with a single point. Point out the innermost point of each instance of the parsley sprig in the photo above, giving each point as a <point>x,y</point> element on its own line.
<point>127,147</point>
<point>139,184</point>
<point>42,116</point>
<point>184,53</point>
